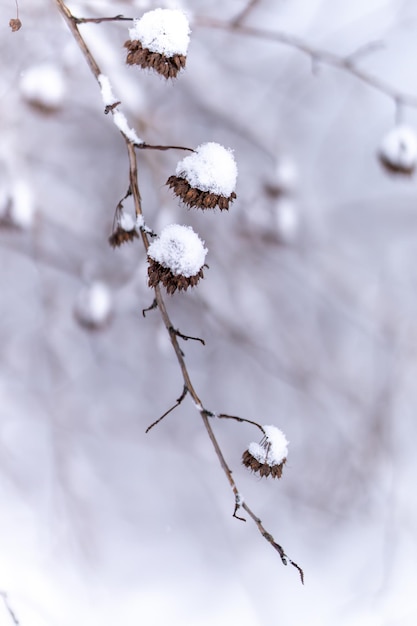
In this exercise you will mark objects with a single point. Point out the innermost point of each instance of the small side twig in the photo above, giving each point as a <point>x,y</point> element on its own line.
<point>238,504</point>
<point>153,306</point>
<point>238,419</point>
<point>177,403</point>
<point>99,20</point>
<point>187,337</point>
<point>148,146</point>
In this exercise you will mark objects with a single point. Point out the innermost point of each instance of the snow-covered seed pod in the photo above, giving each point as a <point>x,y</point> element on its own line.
<point>398,150</point>
<point>125,230</point>
<point>43,86</point>
<point>206,179</point>
<point>159,41</point>
<point>176,259</point>
<point>268,457</point>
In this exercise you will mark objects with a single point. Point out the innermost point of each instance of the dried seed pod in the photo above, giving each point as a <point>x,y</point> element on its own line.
<point>268,457</point>
<point>159,41</point>
<point>176,259</point>
<point>206,178</point>
<point>398,150</point>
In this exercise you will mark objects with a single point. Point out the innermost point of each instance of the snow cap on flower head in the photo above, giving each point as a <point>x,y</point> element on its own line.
<point>159,41</point>
<point>176,258</point>
<point>269,456</point>
<point>206,178</point>
<point>398,150</point>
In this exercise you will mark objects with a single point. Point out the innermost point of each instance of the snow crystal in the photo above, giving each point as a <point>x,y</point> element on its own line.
<point>94,305</point>
<point>399,148</point>
<point>121,122</point>
<point>106,91</point>
<point>44,86</point>
<point>210,168</point>
<point>126,221</point>
<point>180,249</point>
<point>165,31</point>
<point>274,450</point>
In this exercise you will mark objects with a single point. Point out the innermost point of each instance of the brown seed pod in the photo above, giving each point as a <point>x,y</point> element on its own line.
<point>263,469</point>
<point>193,197</point>
<point>121,236</point>
<point>168,67</point>
<point>157,273</point>
<point>15,24</point>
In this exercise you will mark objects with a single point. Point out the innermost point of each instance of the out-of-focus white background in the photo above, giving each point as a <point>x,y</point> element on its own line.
<point>309,312</point>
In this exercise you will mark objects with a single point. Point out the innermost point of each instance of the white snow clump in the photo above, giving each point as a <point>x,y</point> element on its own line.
<point>126,221</point>
<point>398,149</point>
<point>274,450</point>
<point>165,31</point>
<point>44,86</point>
<point>121,122</point>
<point>179,249</point>
<point>210,168</point>
<point>106,90</point>
<point>94,305</point>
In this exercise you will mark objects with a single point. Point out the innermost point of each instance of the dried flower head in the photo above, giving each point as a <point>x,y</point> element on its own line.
<point>398,150</point>
<point>125,230</point>
<point>15,24</point>
<point>176,259</point>
<point>269,456</point>
<point>159,41</point>
<point>206,178</point>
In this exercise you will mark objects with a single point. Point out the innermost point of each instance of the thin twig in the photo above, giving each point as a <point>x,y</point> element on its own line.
<point>153,306</point>
<point>177,403</point>
<point>266,535</point>
<point>245,12</point>
<point>238,419</point>
<point>317,55</point>
<point>99,20</point>
<point>187,337</point>
<point>147,146</point>
<point>9,609</point>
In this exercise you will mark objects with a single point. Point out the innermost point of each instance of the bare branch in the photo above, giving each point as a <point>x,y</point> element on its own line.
<point>317,55</point>
<point>159,301</point>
